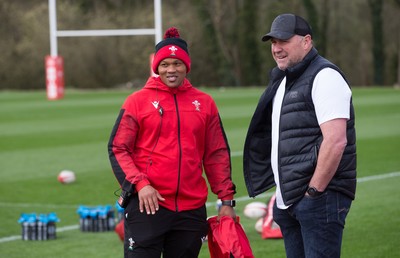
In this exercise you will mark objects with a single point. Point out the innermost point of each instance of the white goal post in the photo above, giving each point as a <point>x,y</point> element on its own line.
<point>55,64</point>
<point>54,33</point>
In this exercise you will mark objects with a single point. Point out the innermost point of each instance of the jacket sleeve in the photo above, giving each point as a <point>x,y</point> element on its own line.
<point>217,159</point>
<point>121,147</point>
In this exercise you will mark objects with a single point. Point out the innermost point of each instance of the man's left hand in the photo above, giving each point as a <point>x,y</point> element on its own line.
<point>227,211</point>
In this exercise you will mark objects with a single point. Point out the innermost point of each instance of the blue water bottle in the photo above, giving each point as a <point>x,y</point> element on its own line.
<point>110,218</point>
<point>80,212</point>
<point>94,219</point>
<point>42,227</point>
<point>32,226</point>
<point>102,212</point>
<point>23,220</point>
<point>51,225</point>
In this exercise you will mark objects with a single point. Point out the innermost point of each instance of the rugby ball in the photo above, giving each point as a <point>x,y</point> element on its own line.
<point>259,225</point>
<point>66,177</point>
<point>255,210</point>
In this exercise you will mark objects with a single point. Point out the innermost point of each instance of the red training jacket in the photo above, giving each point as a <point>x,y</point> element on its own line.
<point>165,137</point>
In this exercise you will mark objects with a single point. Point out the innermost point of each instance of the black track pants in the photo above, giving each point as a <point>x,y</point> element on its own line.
<point>173,234</point>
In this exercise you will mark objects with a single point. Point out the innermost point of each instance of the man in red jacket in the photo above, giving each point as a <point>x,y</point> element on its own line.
<point>166,134</point>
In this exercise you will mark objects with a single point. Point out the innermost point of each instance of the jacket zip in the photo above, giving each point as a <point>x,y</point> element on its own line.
<point>180,154</point>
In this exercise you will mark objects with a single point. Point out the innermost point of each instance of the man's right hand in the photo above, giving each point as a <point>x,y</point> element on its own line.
<point>148,199</point>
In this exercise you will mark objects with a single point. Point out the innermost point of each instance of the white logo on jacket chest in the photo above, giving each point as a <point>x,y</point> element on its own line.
<point>197,105</point>
<point>155,104</point>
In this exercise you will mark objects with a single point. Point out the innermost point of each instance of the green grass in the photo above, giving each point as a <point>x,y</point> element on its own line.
<point>39,138</point>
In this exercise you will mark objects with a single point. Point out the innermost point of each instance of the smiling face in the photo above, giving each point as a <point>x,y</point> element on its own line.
<point>172,72</point>
<point>290,52</point>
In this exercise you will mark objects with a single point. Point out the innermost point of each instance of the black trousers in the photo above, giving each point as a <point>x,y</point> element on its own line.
<point>172,234</point>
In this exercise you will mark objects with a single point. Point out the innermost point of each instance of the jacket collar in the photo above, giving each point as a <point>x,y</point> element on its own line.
<point>156,83</point>
<point>294,72</point>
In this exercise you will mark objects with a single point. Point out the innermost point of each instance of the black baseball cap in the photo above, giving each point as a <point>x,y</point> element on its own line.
<point>286,26</point>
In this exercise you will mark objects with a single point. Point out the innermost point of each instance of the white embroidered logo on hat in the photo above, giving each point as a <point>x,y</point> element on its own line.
<point>173,50</point>
<point>197,105</point>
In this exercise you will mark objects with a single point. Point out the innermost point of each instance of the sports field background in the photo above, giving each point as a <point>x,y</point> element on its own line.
<point>39,138</point>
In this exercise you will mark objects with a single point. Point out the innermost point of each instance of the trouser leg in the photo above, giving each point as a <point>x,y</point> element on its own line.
<point>184,240</point>
<point>173,234</point>
<point>313,227</point>
<point>291,231</point>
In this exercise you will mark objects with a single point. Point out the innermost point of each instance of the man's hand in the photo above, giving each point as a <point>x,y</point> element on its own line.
<point>227,211</point>
<point>148,199</point>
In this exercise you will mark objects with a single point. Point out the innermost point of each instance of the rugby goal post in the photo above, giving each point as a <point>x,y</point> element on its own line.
<point>54,64</point>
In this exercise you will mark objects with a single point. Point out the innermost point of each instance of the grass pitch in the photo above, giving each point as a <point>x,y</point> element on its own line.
<point>39,138</point>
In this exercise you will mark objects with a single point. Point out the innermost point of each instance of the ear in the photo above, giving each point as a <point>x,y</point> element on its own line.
<point>307,41</point>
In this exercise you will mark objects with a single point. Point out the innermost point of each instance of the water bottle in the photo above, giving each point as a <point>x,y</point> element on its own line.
<point>111,218</point>
<point>51,225</point>
<point>23,220</point>
<point>40,230</point>
<point>84,218</point>
<point>94,219</point>
<point>103,219</point>
<point>42,227</point>
<point>45,228</point>
<point>80,212</point>
<point>32,234</point>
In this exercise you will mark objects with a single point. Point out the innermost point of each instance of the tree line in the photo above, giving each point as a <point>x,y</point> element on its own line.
<point>224,36</point>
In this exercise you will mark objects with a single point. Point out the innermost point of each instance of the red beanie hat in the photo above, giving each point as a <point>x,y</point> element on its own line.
<point>171,47</point>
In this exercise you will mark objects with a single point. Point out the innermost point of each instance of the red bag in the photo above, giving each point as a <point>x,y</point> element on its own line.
<point>227,239</point>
